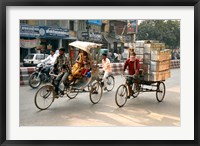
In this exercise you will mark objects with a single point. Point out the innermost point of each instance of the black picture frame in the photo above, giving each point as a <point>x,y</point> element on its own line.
<point>5,3</point>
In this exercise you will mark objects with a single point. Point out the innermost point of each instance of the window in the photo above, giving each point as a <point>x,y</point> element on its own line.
<point>71,25</point>
<point>29,57</point>
<point>40,57</point>
<point>82,25</point>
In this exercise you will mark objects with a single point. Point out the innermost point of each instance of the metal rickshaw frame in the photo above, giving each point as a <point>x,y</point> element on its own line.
<point>95,89</point>
<point>138,83</point>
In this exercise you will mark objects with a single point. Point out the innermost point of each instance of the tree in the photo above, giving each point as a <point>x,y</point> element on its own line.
<point>165,31</point>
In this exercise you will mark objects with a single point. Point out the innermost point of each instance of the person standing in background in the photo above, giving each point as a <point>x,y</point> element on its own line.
<point>119,57</point>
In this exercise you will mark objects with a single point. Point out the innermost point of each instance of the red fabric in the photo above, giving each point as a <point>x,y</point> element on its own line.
<point>130,64</point>
<point>84,71</point>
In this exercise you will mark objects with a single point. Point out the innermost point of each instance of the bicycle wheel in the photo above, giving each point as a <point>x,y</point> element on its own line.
<point>44,97</point>
<point>72,92</point>
<point>95,92</point>
<point>110,80</point>
<point>136,89</point>
<point>121,95</point>
<point>34,81</point>
<point>160,92</point>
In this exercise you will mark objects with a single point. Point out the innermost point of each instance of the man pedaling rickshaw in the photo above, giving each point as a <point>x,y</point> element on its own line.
<point>61,66</point>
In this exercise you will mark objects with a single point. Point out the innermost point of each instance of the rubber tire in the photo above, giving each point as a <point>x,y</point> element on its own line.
<point>137,93</point>
<point>110,76</point>
<point>157,92</point>
<point>91,92</point>
<point>29,80</point>
<point>116,98</point>
<point>72,97</point>
<point>35,99</point>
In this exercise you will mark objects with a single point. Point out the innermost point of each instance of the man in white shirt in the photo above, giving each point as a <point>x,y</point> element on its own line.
<point>51,58</point>
<point>106,68</point>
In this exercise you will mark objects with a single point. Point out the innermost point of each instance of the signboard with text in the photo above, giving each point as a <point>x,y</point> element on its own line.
<point>132,26</point>
<point>43,32</point>
<point>92,36</point>
<point>29,31</point>
<point>29,43</point>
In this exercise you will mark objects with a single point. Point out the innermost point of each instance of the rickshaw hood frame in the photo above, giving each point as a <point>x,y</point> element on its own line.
<point>85,46</point>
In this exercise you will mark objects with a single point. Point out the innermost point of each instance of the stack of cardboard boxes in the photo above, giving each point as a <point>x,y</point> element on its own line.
<point>139,50</point>
<point>156,62</point>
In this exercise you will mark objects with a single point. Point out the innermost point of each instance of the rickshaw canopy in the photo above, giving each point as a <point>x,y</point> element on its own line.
<point>85,46</point>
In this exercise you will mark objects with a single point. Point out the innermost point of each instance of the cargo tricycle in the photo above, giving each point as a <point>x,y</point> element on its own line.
<point>139,85</point>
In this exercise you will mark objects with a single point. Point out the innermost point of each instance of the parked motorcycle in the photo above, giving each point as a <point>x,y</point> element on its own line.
<point>41,75</point>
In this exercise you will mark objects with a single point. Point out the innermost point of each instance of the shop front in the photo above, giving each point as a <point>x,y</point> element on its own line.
<point>42,39</point>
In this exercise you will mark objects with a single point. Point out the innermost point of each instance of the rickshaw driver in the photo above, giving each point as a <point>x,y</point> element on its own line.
<point>61,64</point>
<point>106,68</point>
<point>133,69</point>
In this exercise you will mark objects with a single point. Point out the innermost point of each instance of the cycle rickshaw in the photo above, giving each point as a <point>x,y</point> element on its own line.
<point>45,96</point>
<point>140,84</point>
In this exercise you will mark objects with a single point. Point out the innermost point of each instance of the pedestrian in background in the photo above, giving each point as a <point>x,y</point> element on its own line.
<point>119,57</point>
<point>115,57</point>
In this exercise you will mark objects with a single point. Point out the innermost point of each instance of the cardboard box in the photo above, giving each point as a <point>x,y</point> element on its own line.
<point>160,65</point>
<point>139,51</point>
<point>147,48</point>
<point>147,58</point>
<point>157,76</point>
<point>162,55</point>
<point>153,46</point>
<point>158,46</point>
<point>139,44</point>
<point>161,75</point>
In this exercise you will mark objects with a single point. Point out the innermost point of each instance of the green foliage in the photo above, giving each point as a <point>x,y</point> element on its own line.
<point>165,31</point>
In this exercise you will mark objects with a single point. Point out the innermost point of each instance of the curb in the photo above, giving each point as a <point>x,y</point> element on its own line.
<point>117,68</point>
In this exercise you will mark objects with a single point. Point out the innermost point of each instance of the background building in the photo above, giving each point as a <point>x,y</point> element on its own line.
<point>43,35</point>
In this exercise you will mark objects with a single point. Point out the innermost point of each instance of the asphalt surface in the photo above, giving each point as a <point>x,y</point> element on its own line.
<point>144,110</point>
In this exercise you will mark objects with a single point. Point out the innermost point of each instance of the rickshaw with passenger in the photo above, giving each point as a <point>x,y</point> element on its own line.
<point>84,76</point>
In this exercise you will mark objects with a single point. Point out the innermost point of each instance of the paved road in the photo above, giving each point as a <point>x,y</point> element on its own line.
<point>141,111</point>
